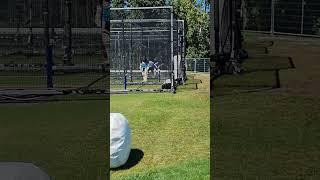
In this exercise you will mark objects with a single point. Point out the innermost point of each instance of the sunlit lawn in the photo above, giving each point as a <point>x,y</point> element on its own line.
<point>170,133</point>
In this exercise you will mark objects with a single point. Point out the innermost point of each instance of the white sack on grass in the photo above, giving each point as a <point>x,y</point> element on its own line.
<point>120,140</point>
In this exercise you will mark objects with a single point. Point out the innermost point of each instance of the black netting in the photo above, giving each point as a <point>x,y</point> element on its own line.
<point>288,17</point>
<point>311,17</point>
<point>142,35</point>
<point>78,46</point>
<point>257,15</point>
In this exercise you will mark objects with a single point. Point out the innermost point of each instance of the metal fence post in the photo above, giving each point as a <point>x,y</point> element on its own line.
<point>303,3</point>
<point>204,65</point>
<point>195,66</point>
<point>272,16</point>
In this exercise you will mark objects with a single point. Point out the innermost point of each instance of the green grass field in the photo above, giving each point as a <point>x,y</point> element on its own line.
<point>263,134</point>
<point>171,131</point>
<point>270,134</point>
<point>65,139</point>
<point>68,139</point>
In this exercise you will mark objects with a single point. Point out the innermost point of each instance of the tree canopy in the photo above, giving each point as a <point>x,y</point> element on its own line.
<point>197,25</point>
<point>192,12</point>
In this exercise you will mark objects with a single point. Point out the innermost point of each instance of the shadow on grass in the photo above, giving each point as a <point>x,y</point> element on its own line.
<point>134,158</point>
<point>251,82</point>
<point>263,89</point>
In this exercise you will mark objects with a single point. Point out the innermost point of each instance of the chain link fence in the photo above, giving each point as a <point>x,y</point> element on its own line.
<point>297,17</point>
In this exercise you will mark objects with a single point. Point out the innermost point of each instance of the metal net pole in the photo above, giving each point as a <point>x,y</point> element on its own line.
<point>172,52</point>
<point>48,46</point>
<point>303,3</point>
<point>68,33</point>
<point>131,54</point>
<point>272,16</point>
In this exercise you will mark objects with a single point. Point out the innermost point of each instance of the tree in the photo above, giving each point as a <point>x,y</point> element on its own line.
<point>197,25</point>
<point>193,13</point>
<point>139,3</point>
<point>118,3</point>
<point>316,26</point>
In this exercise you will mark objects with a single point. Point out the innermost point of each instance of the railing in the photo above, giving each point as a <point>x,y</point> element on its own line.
<point>298,18</point>
<point>198,64</point>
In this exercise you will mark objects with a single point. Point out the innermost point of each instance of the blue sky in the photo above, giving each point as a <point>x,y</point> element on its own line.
<point>201,1</point>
